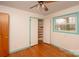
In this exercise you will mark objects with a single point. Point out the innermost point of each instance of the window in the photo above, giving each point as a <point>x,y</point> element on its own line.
<point>66,23</point>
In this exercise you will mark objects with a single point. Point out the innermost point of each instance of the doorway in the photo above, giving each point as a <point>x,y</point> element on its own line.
<point>36,31</point>
<point>4,34</point>
<point>40,31</point>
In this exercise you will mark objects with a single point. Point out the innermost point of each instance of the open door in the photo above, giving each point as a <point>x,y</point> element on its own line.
<point>33,31</point>
<point>4,27</point>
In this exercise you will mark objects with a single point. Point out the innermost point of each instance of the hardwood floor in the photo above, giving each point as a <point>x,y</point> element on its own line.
<point>42,50</point>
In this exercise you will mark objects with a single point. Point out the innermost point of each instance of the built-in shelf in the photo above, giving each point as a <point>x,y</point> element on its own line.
<point>40,30</point>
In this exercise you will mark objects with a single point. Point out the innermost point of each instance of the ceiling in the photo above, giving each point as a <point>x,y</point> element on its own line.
<point>53,7</point>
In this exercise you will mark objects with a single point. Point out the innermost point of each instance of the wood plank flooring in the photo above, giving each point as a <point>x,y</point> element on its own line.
<point>42,50</point>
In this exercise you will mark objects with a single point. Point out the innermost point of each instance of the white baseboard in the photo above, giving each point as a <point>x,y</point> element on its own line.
<point>13,51</point>
<point>73,52</point>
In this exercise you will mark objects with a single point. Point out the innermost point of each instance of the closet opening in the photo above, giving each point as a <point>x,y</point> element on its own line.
<point>40,31</point>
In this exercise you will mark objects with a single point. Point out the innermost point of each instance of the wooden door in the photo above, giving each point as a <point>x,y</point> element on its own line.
<point>4,28</point>
<point>34,31</point>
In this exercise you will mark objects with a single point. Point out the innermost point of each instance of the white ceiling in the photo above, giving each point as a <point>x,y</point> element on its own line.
<point>53,7</point>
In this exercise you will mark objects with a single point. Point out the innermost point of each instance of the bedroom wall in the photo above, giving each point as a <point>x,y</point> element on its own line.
<point>19,27</point>
<point>62,40</point>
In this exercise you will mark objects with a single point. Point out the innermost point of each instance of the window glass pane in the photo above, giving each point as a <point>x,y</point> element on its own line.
<point>60,24</point>
<point>67,24</point>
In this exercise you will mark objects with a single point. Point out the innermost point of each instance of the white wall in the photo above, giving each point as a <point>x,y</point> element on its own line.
<point>63,40</point>
<point>19,27</point>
